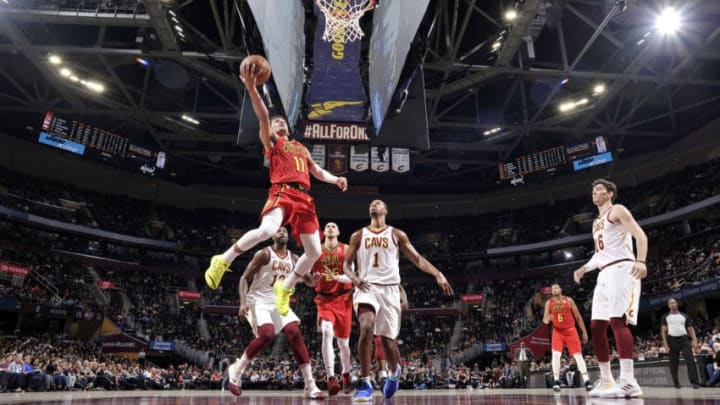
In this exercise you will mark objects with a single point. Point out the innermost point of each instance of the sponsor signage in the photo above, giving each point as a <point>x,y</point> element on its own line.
<point>122,343</point>
<point>106,285</point>
<point>472,298</point>
<point>162,346</point>
<point>538,342</point>
<point>60,143</point>
<point>189,295</point>
<point>14,269</point>
<point>591,161</point>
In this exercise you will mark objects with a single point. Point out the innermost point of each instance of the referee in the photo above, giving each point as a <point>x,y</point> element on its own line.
<point>676,327</point>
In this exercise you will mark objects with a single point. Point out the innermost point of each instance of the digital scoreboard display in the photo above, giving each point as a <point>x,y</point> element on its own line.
<point>535,162</point>
<point>88,140</point>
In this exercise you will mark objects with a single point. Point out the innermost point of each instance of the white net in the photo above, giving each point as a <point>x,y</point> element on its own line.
<point>342,19</point>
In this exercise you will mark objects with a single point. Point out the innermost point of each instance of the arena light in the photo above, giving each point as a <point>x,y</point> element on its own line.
<point>65,72</point>
<point>178,28</point>
<point>492,131</point>
<point>190,119</point>
<point>668,21</point>
<point>598,89</point>
<point>94,86</point>
<point>142,61</point>
<point>511,15</point>
<point>172,13</point>
<point>496,45</point>
<point>567,106</point>
<point>54,59</point>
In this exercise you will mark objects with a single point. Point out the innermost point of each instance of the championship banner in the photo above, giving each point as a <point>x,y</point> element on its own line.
<point>336,92</point>
<point>400,160</point>
<point>189,295</point>
<point>335,132</point>
<point>318,155</point>
<point>358,160</point>
<point>538,342</point>
<point>338,159</point>
<point>106,285</point>
<point>379,161</point>
<point>14,269</point>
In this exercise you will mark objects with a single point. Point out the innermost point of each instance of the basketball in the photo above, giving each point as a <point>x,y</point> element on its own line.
<point>262,66</point>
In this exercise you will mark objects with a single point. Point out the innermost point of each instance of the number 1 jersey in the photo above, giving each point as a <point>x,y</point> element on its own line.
<point>379,257</point>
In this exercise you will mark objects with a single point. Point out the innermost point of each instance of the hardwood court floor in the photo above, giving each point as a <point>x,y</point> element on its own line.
<point>662,396</point>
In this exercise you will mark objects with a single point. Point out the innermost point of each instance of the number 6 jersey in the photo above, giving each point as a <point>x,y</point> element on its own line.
<point>613,243</point>
<point>378,257</point>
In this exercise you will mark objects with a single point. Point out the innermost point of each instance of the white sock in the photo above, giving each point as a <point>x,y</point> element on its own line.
<point>627,372</point>
<point>344,346</point>
<point>268,226</point>
<point>382,374</point>
<point>605,372</point>
<point>555,363</point>
<point>243,362</point>
<point>581,366</point>
<point>307,375</point>
<point>328,352</point>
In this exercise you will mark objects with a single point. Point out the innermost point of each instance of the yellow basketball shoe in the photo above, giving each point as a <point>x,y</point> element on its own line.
<point>282,296</point>
<point>214,272</point>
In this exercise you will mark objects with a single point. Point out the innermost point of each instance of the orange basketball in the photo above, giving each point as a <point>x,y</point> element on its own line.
<point>262,66</point>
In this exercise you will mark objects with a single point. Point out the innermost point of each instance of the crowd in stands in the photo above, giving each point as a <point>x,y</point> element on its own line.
<point>65,269</point>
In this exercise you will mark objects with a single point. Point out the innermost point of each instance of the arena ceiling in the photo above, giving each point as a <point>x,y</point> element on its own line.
<point>656,87</point>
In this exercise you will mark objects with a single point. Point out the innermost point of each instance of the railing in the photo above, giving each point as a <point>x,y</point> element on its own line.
<point>80,6</point>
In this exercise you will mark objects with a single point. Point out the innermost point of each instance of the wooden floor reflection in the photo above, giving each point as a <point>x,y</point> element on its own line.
<point>662,396</point>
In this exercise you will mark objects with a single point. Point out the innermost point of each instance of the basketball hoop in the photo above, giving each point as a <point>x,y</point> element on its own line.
<point>342,19</point>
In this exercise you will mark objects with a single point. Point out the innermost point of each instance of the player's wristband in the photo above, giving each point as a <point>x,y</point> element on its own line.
<point>640,261</point>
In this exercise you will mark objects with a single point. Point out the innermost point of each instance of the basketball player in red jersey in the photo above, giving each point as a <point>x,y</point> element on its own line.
<point>616,297</point>
<point>257,305</point>
<point>334,305</point>
<point>289,201</point>
<point>563,313</point>
<point>377,298</point>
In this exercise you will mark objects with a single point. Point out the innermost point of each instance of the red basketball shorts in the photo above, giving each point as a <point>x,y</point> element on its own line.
<point>299,209</point>
<point>566,337</point>
<point>337,310</point>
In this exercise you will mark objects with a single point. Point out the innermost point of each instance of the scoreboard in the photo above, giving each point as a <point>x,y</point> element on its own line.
<point>534,162</point>
<point>550,159</point>
<point>88,140</point>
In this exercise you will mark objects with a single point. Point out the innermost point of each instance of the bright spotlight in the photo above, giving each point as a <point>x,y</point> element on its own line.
<point>55,60</point>
<point>65,72</point>
<point>567,106</point>
<point>668,21</point>
<point>599,89</point>
<point>511,15</point>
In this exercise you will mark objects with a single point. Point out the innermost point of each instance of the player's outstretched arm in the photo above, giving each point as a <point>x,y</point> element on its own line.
<point>350,254</point>
<point>325,176</point>
<point>621,214</point>
<point>579,320</point>
<point>261,258</point>
<point>248,75</point>
<point>420,262</point>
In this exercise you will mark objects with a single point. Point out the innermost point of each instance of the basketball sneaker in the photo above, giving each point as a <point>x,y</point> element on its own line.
<point>556,386</point>
<point>214,273</point>
<point>346,383</point>
<point>282,296</point>
<point>604,389</point>
<point>333,386</point>
<point>628,389</point>
<point>588,385</point>
<point>363,392</point>
<point>313,392</point>
<point>234,381</point>
<point>392,384</point>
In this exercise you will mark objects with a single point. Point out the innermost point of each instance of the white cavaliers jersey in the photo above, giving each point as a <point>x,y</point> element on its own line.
<point>612,241</point>
<point>378,257</point>
<point>261,288</point>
